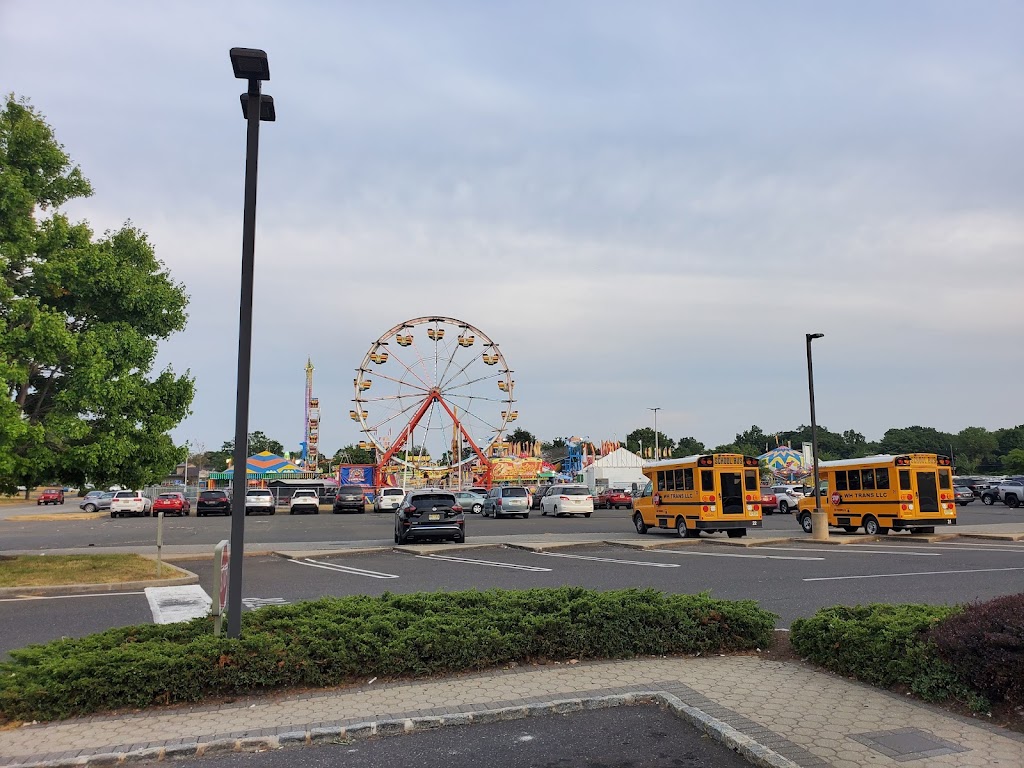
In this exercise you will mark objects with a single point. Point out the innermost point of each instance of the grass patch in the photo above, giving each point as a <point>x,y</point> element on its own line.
<point>341,640</point>
<point>51,570</point>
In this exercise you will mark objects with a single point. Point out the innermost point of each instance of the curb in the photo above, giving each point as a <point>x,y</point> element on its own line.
<point>89,589</point>
<point>994,536</point>
<point>748,542</point>
<point>756,753</point>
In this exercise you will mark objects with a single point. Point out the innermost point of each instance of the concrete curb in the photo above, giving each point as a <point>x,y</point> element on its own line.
<point>994,536</point>
<point>748,542</point>
<point>756,753</point>
<point>90,589</point>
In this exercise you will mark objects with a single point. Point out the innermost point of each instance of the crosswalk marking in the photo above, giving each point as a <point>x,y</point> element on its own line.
<point>491,563</point>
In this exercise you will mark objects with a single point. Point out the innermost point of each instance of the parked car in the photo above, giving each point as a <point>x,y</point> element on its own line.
<point>1011,492</point>
<point>990,493</point>
<point>506,501</point>
<point>769,501</point>
<point>567,500</point>
<point>470,502</point>
<point>260,500</point>
<point>51,496</point>
<point>213,502</point>
<point>171,503</point>
<point>788,497</point>
<point>96,500</point>
<point>479,489</point>
<point>304,500</point>
<point>613,498</point>
<point>350,498</point>
<point>962,495</point>
<point>388,498</point>
<point>132,503</point>
<point>430,514</point>
<point>538,495</point>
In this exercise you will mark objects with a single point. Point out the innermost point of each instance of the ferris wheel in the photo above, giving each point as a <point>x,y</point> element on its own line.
<point>433,393</point>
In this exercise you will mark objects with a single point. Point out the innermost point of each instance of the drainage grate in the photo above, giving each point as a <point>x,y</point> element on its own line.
<point>906,744</point>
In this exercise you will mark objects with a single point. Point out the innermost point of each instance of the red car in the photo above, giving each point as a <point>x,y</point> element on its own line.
<point>51,496</point>
<point>769,501</point>
<point>171,503</point>
<point>613,498</point>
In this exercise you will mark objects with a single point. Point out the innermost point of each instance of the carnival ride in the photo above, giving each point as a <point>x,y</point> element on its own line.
<point>433,395</point>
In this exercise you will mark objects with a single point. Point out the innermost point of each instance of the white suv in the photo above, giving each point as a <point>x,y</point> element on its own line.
<point>789,497</point>
<point>132,503</point>
<point>388,498</point>
<point>259,500</point>
<point>304,500</point>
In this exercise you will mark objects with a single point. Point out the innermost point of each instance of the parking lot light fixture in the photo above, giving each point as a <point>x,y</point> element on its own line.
<point>819,521</point>
<point>249,64</point>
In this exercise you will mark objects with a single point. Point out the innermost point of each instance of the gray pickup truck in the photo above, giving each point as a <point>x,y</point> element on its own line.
<point>1011,492</point>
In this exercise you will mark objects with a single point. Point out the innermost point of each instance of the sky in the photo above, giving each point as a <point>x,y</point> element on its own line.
<point>644,204</point>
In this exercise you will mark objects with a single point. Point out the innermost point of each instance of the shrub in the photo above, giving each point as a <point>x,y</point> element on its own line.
<point>885,645</point>
<point>333,641</point>
<point>984,643</point>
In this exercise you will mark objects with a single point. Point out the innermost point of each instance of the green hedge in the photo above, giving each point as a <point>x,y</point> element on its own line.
<point>334,641</point>
<point>885,645</point>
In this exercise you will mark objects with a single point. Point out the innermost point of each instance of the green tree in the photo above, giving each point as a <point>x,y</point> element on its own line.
<point>688,446</point>
<point>256,443</point>
<point>522,437</point>
<point>753,442</point>
<point>974,447</point>
<point>80,319</point>
<point>645,435</point>
<point>1013,462</point>
<point>353,454</point>
<point>916,439</point>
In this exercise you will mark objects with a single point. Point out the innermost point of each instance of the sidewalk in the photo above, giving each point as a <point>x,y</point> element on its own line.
<point>777,713</point>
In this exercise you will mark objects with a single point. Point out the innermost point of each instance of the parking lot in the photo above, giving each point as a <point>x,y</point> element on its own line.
<point>789,578</point>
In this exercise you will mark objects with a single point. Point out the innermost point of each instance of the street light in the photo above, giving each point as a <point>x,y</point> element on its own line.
<point>656,454</point>
<point>819,522</point>
<point>249,64</point>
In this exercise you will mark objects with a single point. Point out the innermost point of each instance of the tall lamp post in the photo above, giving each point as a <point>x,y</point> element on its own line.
<point>249,64</point>
<point>819,521</point>
<point>656,454</point>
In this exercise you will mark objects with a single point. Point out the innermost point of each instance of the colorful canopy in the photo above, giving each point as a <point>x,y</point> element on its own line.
<point>784,461</point>
<point>262,463</point>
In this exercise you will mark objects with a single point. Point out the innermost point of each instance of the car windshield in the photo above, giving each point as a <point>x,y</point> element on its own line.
<point>212,495</point>
<point>305,493</point>
<point>393,492</point>
<point>258,493</point>
<point>575,491</point>
<point>507,492</point>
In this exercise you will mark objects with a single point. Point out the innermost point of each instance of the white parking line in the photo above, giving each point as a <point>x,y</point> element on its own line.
<point>173,604</point>
<point>943,547</point>
<point>344,569</point>
<point>490,563</point>
<point>692,553</point>
<point>608,560</point>
<point>893,551</point>
<point>918,573</point>
<point>66,597</point>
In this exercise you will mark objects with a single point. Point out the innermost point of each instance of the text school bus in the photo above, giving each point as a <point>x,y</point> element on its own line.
<point>883,493</point>
<point>720,492</point>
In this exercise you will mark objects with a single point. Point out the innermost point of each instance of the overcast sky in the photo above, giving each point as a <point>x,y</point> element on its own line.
<point>645,204</point>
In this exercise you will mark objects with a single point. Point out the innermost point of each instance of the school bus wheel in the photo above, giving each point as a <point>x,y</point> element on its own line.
<point>871,526</point>
<point>638,521</point>
<point>805,522</point>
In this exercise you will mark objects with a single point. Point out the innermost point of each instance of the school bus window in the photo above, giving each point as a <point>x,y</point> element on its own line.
<point>944,478</point>
<point>841,481</point>
<point>647,490</point>
<point>750,478</point>
<point>882,479</point>
<point>688,479</point>
<point>853,479</point>
<point>904,479</point>
<point>677,480</point>
<point>707,480</point>
<point>662,481</point>
<point>867,479</point>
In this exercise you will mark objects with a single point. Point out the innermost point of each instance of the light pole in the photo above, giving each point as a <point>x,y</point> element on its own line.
<point>249,64</point>
<point>819,521</point>
<point>656,454</point>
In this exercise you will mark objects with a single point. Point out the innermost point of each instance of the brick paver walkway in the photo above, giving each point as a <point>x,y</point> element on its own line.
<point>806,717</point>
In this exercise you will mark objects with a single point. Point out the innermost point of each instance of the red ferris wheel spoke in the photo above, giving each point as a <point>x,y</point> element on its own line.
<point>410,370</point>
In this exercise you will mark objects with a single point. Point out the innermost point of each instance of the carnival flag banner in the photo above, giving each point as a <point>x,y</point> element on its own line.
<point>358,474</point>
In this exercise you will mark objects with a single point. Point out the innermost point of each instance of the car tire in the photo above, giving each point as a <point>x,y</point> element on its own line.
<point>871,526</point>
<point>639,524</point>
<point>987,499</point>
<point>1012,501</point>
<point>112,515</point>
<point>477,508</point>
<point>784,507</point>
<point>805,522</point>
<point>89,507</point>
<point>587,514</point>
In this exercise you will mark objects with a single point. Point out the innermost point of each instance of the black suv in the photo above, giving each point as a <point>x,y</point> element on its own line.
<point>213,501</point>
<point>430,514</point>
<point>350,498</point>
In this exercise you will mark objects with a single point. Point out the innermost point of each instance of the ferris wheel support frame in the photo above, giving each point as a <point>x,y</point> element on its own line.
<point>433,396</point>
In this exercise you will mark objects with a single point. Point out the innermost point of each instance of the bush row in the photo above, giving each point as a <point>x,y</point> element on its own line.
<point>333,641</point>
<point>973,654</point>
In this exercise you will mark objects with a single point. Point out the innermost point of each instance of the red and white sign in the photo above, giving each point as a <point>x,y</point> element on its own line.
<point>657,499</point>
<point>836,498</point>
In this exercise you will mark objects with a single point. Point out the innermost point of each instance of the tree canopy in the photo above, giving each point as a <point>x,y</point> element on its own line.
<point>80,319</point>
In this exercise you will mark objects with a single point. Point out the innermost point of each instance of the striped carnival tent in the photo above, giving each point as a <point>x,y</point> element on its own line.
<point>265,466</point>
<point>784,462</point>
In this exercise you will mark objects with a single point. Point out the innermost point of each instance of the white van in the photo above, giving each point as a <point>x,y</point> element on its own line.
<point>388,499</point>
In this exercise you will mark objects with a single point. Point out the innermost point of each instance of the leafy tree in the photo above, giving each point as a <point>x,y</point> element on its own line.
<point>1009,438</point>
<point>256,443</point>
<point>522,437</point>
<point>80,319</point>
<point>688,446</point>
<point>916,439</point>
<point>645,435</point>
<point>974,446</point>
<point>353,454</point>
<point>558,442</point>
<point>753,442</point>
<point>831,445</point>
<point>1013,462</point>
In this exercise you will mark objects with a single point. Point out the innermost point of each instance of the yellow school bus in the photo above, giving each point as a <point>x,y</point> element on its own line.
<point>885,493</point>
<point>710,493</point>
